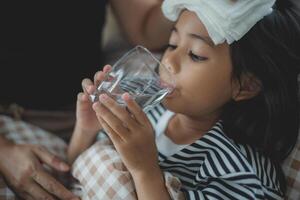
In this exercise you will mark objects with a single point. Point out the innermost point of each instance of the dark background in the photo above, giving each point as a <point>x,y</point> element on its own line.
<point>46,48</point>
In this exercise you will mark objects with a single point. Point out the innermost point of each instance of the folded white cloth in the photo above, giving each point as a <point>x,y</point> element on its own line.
<point>225,20</point>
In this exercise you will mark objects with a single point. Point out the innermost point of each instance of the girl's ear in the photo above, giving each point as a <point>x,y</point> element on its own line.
<point>248,87</point>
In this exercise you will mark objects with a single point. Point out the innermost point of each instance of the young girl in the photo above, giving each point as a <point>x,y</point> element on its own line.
<point>233,116</point>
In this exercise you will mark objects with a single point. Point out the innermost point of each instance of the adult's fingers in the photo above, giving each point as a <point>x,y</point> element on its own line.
<point>48,158</point>
<point>35,191</point>
<point>27,197</point>
<point>52,186</point>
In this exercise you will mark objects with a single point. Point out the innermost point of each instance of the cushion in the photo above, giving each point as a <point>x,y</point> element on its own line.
<point>291,168</point>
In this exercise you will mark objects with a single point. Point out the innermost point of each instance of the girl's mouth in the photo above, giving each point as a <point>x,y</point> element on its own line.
<point>172,93</point>
<point>169,85</point>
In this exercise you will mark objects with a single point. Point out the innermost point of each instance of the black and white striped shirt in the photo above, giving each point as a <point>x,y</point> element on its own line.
<point>215,167</point>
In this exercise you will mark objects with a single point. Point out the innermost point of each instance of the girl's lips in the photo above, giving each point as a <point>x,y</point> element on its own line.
<point>171,94</point>
<point>170,86</point>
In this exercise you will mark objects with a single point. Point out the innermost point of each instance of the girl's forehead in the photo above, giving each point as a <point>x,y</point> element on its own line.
<point>188,22</point>
<point>189,27</point>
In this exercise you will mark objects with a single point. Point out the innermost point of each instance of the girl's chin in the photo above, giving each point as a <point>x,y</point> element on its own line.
<point>169,105</point>
<point>168,102</point>
<point>169,98</point>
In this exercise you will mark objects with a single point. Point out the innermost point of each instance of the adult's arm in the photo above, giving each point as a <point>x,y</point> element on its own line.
<point>143,22</point>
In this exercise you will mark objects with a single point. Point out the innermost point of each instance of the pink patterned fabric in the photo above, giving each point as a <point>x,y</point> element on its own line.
<point>102,175</point>
<point>291,168</point>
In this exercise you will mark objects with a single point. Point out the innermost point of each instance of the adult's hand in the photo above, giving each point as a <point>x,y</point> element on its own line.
<point>21,166</point>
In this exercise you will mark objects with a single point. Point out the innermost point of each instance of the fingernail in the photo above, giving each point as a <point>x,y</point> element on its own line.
<point>126,96</point>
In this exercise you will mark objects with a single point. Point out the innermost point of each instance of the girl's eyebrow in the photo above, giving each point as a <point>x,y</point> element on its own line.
<point>205,39</point>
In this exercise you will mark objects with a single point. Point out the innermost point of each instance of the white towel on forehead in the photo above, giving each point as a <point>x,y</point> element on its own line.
<point>225,20</point>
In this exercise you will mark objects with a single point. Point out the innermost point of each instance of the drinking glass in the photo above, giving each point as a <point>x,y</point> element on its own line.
<point>136,73</point>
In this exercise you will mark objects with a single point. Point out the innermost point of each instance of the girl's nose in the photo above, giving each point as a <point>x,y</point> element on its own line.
<point>171,63</point>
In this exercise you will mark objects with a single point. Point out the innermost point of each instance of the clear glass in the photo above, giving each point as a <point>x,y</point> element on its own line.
<point>136,73</point>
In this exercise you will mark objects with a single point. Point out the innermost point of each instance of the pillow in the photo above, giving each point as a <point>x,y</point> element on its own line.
<point>101,174</point>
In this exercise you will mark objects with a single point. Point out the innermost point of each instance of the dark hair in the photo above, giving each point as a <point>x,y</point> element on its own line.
<point>269,51</point>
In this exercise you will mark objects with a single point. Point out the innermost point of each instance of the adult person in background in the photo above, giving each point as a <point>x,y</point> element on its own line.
<point>143,22</point>
<point>41,43</point>
<point>46,49</point>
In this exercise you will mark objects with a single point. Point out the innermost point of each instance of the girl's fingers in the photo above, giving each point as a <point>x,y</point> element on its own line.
<point>111,133</point>
<point>135,109</point>
<point>87,86</point>
<point>107,68</point>
<point>111,120</point>
<point>100,75</point>
<point>81,97</point>
<point>119,111</point>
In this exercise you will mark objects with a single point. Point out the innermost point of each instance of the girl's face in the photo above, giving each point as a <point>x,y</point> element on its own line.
<point>202,71</point>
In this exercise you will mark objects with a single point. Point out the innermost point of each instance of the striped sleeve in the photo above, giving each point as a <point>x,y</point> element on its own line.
<point>215,168</point>
<point>239,186</point>
<point>224,189</point>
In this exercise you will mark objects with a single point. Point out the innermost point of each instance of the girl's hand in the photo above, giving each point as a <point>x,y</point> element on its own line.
<point>87,125</point>
<point>86,118</point>
<point>131,133</point>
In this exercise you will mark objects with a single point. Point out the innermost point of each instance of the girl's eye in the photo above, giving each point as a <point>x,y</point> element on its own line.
<point>196,58</point>
<point>171,46</point>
